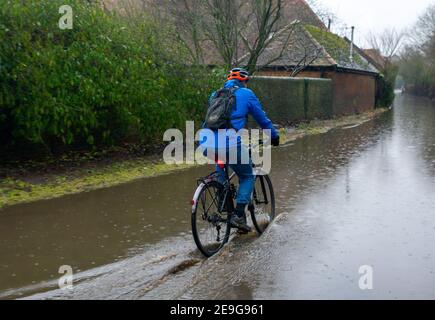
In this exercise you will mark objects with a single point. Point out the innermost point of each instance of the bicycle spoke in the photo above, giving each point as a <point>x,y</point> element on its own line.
<point>210,232</point>
<point>214,202</point>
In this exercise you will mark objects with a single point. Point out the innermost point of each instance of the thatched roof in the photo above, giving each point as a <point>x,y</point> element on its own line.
<point>313,47</point>
<point>375,57</point>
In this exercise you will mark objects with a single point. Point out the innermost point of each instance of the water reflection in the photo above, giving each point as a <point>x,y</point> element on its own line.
<point>343,193</point>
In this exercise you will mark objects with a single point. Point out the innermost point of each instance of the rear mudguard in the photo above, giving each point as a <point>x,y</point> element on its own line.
<point>195,199</point>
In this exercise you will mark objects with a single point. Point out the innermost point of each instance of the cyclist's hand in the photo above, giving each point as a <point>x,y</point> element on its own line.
<point>275,142</point>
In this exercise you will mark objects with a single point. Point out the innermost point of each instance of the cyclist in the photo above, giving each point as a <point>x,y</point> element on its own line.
<point>246,104</point>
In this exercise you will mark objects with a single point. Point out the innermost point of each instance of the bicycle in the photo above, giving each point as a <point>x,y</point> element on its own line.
<point>213,205</point>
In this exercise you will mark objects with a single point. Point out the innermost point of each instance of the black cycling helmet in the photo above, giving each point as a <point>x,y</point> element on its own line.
<point>238,74</point>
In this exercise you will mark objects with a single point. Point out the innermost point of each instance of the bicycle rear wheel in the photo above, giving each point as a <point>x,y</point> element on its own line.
<point>262,207</point>
<point>210,227</point>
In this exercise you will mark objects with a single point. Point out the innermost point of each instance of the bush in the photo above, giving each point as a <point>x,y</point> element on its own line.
<point>385,87</point>
<point>417,63</point>
<point>418,72</point>
<point>107,80</point>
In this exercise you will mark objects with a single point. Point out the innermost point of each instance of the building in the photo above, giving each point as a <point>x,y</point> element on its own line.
<point>292,10</point>
<point>302,47</point>
<point>317,53</point>
<point>376,58</point>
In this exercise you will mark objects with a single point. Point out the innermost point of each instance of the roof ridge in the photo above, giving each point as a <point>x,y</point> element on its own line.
<point>306,4</point>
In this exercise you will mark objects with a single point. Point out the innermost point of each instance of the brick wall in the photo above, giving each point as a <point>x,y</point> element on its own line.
<point>352,93</point>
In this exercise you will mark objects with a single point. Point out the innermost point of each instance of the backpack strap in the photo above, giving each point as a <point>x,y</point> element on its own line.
<point>233,91</point>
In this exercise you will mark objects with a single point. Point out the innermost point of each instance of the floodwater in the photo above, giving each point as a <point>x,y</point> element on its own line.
<point>356,196</point>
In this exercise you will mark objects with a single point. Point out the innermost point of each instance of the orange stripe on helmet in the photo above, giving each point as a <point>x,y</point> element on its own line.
<point>237,76</point>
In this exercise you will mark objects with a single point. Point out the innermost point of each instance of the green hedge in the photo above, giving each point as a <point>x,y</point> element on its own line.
<point>282,98</point>
<point>385,87</point>
<point>319,99</point>
<point>288,100</point>
<point>107,80</point>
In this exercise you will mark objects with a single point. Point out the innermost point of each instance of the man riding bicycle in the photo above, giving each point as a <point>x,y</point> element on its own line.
<point>246,103</point>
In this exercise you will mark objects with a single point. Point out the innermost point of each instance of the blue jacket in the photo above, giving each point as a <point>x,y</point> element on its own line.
<point>246,104</point>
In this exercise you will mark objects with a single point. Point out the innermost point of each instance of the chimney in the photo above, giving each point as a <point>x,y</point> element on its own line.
<point>351,44</point>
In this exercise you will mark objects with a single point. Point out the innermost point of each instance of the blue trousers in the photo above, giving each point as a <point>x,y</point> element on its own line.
<point>243,171</point>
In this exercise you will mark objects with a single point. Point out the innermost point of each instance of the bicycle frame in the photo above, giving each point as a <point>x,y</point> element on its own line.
<point>229,191</point>
<point>223,200</point>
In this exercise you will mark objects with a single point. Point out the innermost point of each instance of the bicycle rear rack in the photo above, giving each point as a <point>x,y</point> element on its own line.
<point>210,177</point>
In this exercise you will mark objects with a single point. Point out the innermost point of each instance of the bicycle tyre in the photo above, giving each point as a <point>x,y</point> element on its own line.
<point>198,206</point>
<point>262,184</point>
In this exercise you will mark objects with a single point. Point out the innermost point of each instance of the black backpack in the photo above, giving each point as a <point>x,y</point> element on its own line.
<point>220,108</point>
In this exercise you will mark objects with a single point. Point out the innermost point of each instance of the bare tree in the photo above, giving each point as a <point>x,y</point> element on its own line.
<point>294,47</point>
<point>253,33</point>
<point>417,59</point>
<point>422,35</point>
<point>261,29</point>
<point>424,29</point>
<point>236,28</point>
<point>388,43</point>
<point>309,52</point>
<point>204,25</point>
<point>324,14</point>
<point>223,31</point>
<point>126,8</point>
<point>189,23</point>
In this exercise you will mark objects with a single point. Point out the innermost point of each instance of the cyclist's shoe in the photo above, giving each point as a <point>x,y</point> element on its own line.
<point>275,141</point>
<point>239,222</point>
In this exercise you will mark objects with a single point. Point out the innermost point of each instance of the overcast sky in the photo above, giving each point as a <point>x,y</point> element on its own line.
<point>375,15</point>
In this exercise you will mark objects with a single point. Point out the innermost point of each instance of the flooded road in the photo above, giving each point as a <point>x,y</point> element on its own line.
<point>356,196</point>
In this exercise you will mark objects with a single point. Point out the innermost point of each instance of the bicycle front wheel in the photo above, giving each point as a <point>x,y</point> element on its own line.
<point>210,227</point>
<point>262,207</point>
